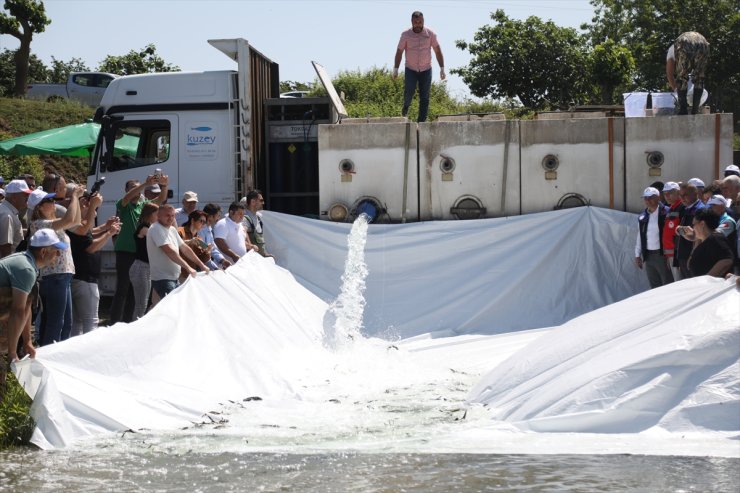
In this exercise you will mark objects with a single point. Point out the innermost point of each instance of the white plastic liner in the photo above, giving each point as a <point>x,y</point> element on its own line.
<point>228,335</point>
<point>649,370</point>
<point>669,358</point>
<point>471,277</point>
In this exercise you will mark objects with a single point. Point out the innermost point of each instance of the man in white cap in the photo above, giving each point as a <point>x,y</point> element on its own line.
<point>727,225</point>
<point>698,183</point>
<point>18,274</point>
<point>11,228</point>
<point>732,170</point>
<point>672,220</point>
<point>649,244</point>
<point>189,204</point>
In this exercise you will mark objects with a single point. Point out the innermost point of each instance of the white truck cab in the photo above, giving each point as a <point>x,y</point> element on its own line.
<point>202,129</point>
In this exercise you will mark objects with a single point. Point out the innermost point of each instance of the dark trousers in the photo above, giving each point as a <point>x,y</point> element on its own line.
<point>424,81</point>
<point>122,307</point>
<point>657,270</point>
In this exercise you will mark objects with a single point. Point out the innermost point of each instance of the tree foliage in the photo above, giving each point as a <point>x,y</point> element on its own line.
<point>648,27</point>
<point>612,66</point>
<point>292,85</point>
<point>60,70</point>
<point>374,93</point>
<point>24,19</point>
<point>143,61</point>
<point>37,71</point>
<point>537,62</point>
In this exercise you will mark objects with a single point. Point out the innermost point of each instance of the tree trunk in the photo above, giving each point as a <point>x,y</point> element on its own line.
<point>606,94</point>
<point>22,57</point>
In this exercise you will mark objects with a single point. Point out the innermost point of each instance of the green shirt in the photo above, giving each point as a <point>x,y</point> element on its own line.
<point>254,229</point>
<point>18,271</point>
<point>129,215</point>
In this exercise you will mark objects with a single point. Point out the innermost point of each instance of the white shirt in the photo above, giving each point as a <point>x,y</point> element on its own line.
<point>652,233</point>
<point>11,229</point>
<point>233,234</point>
<point>160,265</point>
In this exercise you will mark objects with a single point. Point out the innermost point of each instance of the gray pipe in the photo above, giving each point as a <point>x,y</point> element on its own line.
<point>406,172</point>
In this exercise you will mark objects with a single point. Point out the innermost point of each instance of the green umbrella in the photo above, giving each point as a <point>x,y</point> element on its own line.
<point>73,140</point>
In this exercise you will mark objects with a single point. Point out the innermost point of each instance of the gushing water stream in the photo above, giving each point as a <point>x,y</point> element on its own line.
<point>349,306</point>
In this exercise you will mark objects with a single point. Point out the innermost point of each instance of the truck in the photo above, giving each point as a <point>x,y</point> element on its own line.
<point>86,87</point>
<point>204,130</point>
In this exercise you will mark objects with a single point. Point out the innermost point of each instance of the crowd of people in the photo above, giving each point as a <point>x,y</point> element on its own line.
<point>689,229</point>
<point>50,252</point>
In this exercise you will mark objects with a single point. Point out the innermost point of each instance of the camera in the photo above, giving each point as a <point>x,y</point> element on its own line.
<point>158,172</point>
<point>96,186</point>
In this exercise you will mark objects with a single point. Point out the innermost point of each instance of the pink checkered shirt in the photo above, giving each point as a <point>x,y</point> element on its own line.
<point>418,48</point>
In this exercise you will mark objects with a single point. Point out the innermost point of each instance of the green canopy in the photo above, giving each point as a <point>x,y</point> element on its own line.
<point>73,140</point>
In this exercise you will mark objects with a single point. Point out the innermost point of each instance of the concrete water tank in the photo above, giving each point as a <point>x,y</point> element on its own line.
<point>675,148</point>
<point>571,162</point>
<point>470,169</point>
<point>366,161</point>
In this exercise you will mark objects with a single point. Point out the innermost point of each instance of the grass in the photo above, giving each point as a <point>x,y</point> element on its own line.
<point>16,424</point>
<point>20,117</point>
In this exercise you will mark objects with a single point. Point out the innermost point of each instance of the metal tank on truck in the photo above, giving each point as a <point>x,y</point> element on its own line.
<point>205,130</point>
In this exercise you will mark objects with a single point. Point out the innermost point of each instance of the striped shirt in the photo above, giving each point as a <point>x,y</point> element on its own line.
<point>418,48</point>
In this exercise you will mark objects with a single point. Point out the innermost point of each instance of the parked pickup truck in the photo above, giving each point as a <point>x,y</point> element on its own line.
<point>85,87</point>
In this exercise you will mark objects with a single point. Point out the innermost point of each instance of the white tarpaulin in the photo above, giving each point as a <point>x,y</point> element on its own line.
<point>668,358</point>
<point>660,359</point>
<point>459,277</point>
<point>229,335</point>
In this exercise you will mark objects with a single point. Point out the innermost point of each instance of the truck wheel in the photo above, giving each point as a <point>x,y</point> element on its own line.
<point>54,99</point>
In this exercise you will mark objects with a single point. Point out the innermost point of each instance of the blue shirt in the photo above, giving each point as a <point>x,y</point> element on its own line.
<point>206,233</point>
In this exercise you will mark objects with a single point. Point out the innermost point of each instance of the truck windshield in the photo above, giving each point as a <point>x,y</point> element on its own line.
<point>140,144</point>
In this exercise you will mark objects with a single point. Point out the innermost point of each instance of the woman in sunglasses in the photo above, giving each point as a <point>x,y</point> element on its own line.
<point>55,321</point>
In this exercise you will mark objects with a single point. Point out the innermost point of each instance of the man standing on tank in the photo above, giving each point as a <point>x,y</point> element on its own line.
<point>687,56</point>
<point>418,42</point>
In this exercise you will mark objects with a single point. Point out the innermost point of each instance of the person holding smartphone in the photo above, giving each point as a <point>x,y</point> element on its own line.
<point>128,209</point>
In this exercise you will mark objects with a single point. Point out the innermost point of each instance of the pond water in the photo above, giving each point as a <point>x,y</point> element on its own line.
<point>131,466</point>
